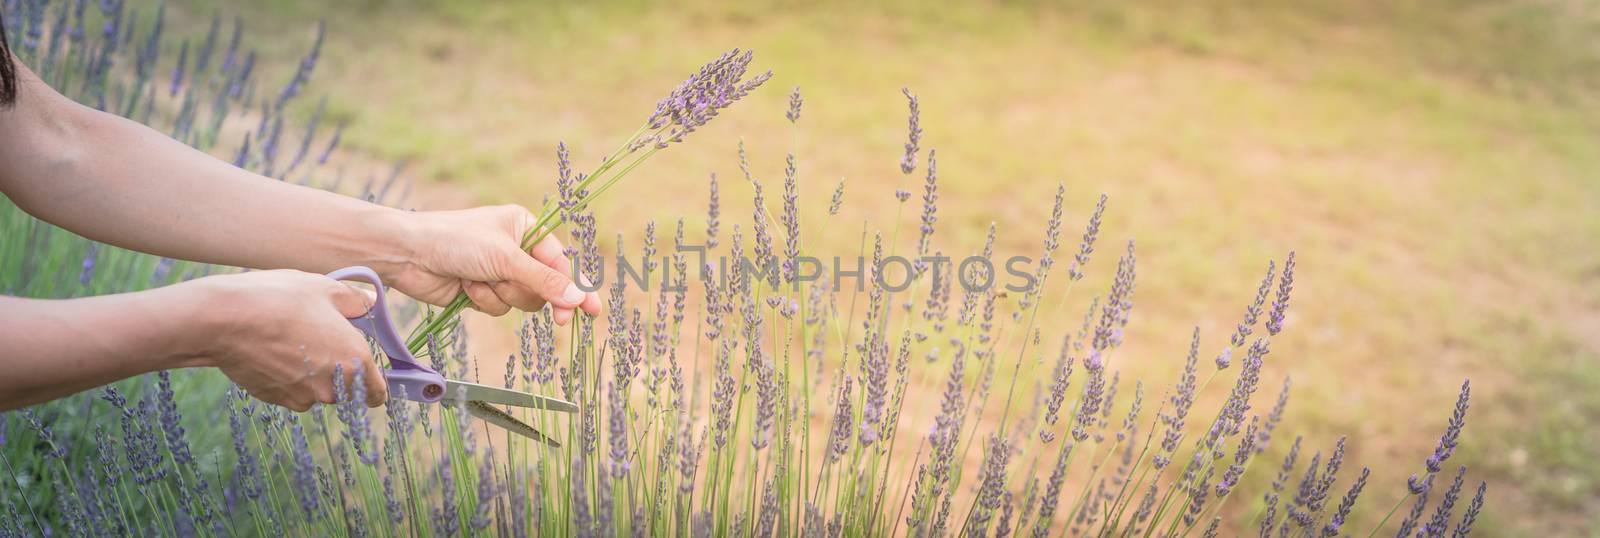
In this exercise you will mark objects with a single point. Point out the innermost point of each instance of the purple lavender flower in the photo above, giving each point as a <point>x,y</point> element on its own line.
<point>767,388</point>
<point>1061,378</point>
<point>488,491</point>
<point>992,482</point>
<point>1130,422</point>
<point>1269,517</point>
<point>1231,418</point>
<point>767,520</point>
<point>246,470</point>
<point>689,458</point>
<point>711,216</point>
<point>618,428</point>
<point>305,471</point>
<point>1419,488</point>
<point>352,411</point>
<point>303,74</point>
<point>1273,417</point>
<point>703,95</point>
<point>142,446</point>
<point>391,503</point>
<point>791,219</point>
<point>1230,477</point>
<point>242,157</point>
<point>837,202</point>
<point>1280,303</point>
<point>1452,432</point>
<point>1089,401</point>
<point>1252,312</point>
<point>875,389</point>
<point>794,105</point>
<point>46,435</point>
<point>171,421</point>
<point>1440,523</point>
<point>1286,470</point>
<point>582,518</point>
<point>930,204</point>
<point>901,366</point>
<point>589,418</point>
<point>447,517</point>
<point>1464,528</point>
<point>1052,241</point>
<point>650,263</point>
<point>1002,526</point>
<point>1348,503</point>
<point>202,57</point>
<point>1297,511</point>
<point>722,395</point>
<point>1182,400</point>
<point>839,442</point>
<point>177,71</point>
<point>333,144</point>
<point>1085,248</point>
<point>908,163</point>
<point>1197,499</point>
<point>1114,313</point>
<point>1052,492</point>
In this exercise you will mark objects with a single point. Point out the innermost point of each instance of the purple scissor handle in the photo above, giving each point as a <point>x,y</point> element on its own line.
<point>406,377</point>
<point>414,381</point>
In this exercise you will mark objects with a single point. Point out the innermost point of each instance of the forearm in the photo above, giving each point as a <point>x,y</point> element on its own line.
<point>119,182</point>
<point>56,348</point>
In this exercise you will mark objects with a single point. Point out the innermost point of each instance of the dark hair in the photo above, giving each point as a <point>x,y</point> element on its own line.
<point>8,70</point>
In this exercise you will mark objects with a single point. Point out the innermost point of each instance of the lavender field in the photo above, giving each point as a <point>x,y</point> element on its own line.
<point>1322,270</point>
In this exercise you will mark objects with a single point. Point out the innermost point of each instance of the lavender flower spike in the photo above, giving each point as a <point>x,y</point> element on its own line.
<point>1452,432</point>
<point>908,163</point>
<point>703,95</point>
<point>1280,304</point>
<point>794,105</point>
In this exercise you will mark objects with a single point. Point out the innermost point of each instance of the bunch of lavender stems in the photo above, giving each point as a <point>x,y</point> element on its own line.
<point>695,102</point>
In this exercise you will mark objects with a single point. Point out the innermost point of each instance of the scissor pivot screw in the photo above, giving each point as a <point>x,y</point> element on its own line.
<point>432,391</point>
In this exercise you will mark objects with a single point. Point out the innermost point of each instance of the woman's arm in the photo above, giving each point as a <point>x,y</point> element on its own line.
<point>278,334</point>
<point>116,181</point>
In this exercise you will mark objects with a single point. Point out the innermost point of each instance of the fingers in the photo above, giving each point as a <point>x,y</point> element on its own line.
<point>548,283</point>
<point>517,296</point>
<point>484,298</point>
<point>521,220</point>
<point>550,252</point>
<point>377,386</point>
<point>298,405</point>
<point>293,401</point>
<point>352,302</point>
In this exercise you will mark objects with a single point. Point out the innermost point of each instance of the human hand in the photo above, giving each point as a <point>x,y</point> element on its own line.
<point>281,334</point>
<point>478,251</point>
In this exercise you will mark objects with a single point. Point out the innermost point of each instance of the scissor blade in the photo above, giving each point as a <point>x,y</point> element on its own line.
<point>499,418</point>
<point>485,393</point>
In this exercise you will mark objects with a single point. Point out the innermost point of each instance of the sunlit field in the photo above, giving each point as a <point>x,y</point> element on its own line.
<point>1433,166</point>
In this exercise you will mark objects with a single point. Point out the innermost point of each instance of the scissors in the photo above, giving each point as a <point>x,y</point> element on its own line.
<point>411,380</point>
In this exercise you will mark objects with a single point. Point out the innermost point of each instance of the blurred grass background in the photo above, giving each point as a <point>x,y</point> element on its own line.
<point>1436,164</point>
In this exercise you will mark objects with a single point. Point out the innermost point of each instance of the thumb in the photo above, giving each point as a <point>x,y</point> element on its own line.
<point>352,302</point>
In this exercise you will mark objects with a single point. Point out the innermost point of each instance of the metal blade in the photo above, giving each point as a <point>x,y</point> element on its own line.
<point>485,393</point>
<point>499,418</point>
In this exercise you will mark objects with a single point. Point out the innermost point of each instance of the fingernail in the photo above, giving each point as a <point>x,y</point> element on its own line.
<point>563,316</point>
<point>573,295</point>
